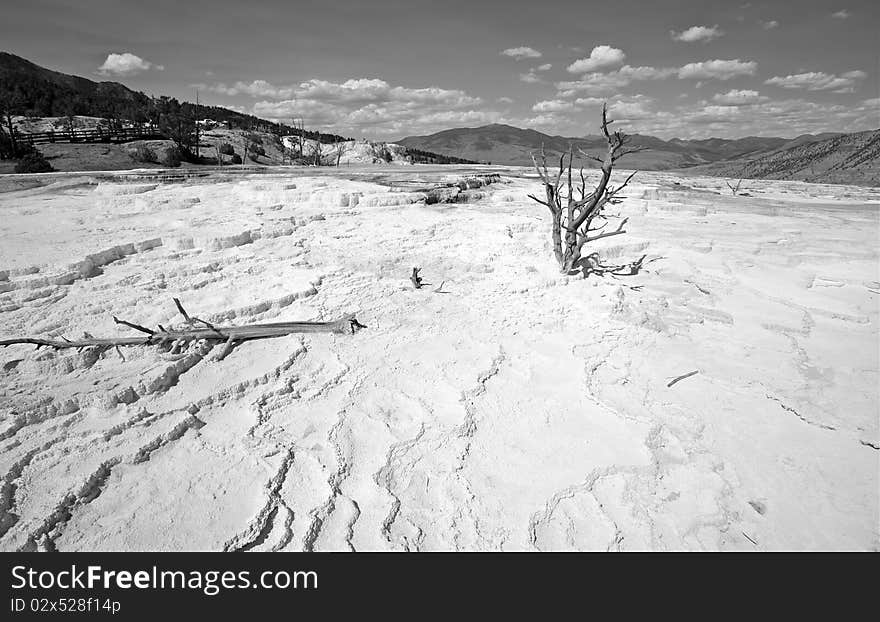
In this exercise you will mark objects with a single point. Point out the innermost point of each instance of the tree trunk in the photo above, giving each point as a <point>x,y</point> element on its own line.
<point>572,253</point>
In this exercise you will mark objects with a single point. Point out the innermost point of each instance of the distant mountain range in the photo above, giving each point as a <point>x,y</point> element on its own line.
<point>505,144</point>
<point>828,157</point>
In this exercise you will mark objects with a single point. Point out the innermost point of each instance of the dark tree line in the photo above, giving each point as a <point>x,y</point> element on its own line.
<point>426,157</point>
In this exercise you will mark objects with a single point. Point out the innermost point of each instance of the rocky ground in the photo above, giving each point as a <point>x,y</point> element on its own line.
<point>513,409</point>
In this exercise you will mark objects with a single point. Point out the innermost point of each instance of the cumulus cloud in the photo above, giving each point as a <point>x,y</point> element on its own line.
<point>589,101</point>
<point>770,25</point>
<point>717,69</point>
<point>646,73</point>
<point>504,100</point>
<point>521,52</point>
<point>126,64</point>
<point>842,14</point>
<point>361,105</point>
<point>739,98</point>
<point>820,81</point>
<point>553,105</point>
<point>788,117</point>
<point>612,80</point>
<point>530,77</point>
<point>626,111</point>
<point>697,33</point>
<point>257,88</point>
<point>601,56</point>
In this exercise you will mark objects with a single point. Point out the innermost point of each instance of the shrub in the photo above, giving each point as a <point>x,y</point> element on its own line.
<point>144,154</point>
<point>171,157</point>
<point>227,149</point>
<point>236,159</point>
<point>33,162</point>
<point>256,150</point>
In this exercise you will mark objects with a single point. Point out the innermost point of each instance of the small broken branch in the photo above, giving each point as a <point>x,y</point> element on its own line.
<point>192,320</point>
<point>143,329</point>
<point>682,377</point>
<point>416,279</point>
<point>227,348</point>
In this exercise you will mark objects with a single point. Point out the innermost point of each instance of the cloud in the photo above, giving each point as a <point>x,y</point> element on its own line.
<point>739,98</point>
<point>623,111</point>
<point>521,52</point>
<point>697,33</point>
<point>769,25</point>
<point>601,56</point>
<point>717,69</point>
<point>646,73</point>
<point>612,80</point>
<point>842,14</point>
<point>370,105</point>
<point>257,88</point>
<point>532,77</point>
<point>126,64</point>
<point>553,105</point>
<point>820,81</point>
<point>504,100</point>
<point>789,117</point>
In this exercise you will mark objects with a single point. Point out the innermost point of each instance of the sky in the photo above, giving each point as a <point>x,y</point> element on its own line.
<point>385,69</point>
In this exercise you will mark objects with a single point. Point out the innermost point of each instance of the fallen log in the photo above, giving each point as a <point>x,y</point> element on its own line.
<point>229,334</point>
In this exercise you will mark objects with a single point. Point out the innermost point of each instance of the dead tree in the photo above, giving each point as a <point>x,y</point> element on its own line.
<point>341,148</point>
<point>230,335</point>
<point>573,210</point>
<point>734,189</point>
<point>298,125</point>
<point>317,153</point>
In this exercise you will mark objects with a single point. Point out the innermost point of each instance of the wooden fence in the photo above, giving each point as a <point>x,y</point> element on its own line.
<point>97,135</point>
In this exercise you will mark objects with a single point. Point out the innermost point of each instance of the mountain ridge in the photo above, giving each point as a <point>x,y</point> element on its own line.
<point>482,143</point>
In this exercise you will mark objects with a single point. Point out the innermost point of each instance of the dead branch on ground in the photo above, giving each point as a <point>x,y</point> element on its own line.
<point>230,335</point>
<point>416,279</point>
<point>682,377</point>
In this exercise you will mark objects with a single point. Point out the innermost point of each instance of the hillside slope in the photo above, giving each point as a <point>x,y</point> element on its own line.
<point>841,159</point>
<point>34,91</point>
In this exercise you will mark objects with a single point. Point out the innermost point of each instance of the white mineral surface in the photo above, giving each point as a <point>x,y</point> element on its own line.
<point>515,409</point>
